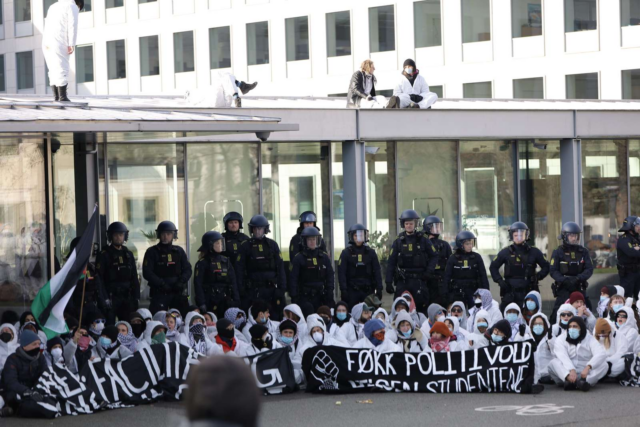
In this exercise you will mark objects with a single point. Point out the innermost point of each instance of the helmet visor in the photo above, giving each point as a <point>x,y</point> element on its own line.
<point>360,236</point>
<point>258,232</point>
<point>311,242</point>
<point>637,221</point>
<point>436,228</point>
<point>573,238</point>
<point>219,246</point>
<point>472,241</point>
<point>520,235</point>
<point>411,224</point>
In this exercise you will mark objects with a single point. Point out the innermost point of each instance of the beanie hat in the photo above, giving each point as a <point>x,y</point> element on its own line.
<point>288,324</point>
<point>259,306</point>
<point>440,328</point>
<point>27,337</point>
<point>257,332</point>
<point>602,327</point>
<point>324,310</point>
<point>409,62</point>
<point>503,326</point>
<point>111,332</point>
<point>371,326</point>
<point>223,329</point>
<point>373,301</point>
<point>576,296</point>
<point>53,342</point>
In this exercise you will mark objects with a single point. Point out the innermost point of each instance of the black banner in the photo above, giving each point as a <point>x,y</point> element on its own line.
<point>273,371</point>
<point>490,369</point>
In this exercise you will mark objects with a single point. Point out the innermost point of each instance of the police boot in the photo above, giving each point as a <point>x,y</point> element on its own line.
<point>56,94</point>
<point>246,87</point>
<point>62,92</point>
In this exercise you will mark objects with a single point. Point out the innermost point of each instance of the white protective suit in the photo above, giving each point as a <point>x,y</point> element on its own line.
<point>403,90</point>
<point>351,331</point>
<point>557,330</point>
<point>569,356</point>
<point>417,342</point>
<point>629,329</point>
<point>7,349</point>
<point>308,341</point>
<point>476,339</point>
<point>615,353</point>
<point>271,325</point>
<point>515,327</point>
<point>544,352</point>
<point>302,323</point>
<point>220,94</point>
<point>491,306</point>
<point>60,33</point>
<point>185,339</point>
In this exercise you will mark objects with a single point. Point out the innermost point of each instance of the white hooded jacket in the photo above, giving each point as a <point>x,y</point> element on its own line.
<point>556,329</point>
<point>489,305</point>
<point>544,351</point>
<point>629,329</point>
<point>61,25</point>
<point>420,87</point>
<point>271,325</point>
<point>302,323</point>
<point>7,349</point>
<point>308,341</point>
<point>186,340</point>
<point>587,352</point>
<point>352,331</point>
<point>417,341</point>
<point>515,327</point>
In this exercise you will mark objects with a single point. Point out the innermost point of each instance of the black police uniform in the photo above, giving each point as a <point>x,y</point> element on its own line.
<point>215,284</point>
<point>95,296</point>
<point>359,274</point>
<point>629,263</point>
<point>571,267</point>
<point>260,275</point>
<point>295,246</point>
<point>167,269</point>
<point>312,279</point>
<point>117,268</point>
<point>520,275</point>
<point>233,242</point>
<point>464,275</point>
<point>411,261</point>
<point>434,282</point>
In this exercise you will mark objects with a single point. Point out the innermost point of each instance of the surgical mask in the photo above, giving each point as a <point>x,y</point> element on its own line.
<point>287,340</point>
<point>564,322</point>
<point>574,333</point>
<point>603,298</point>
<point>105,342</point>
<point>99,327</point>
<point>262,320</point>
<point>407,334</point>
<point>341,316</point>
<point>478,302</point>
<point>538,329</point>
<point>531,305</point>
<point>5,337</point>
<point>318,337</point>
<point>512,317</point>
<point>56,353</point>
<point>619,325</point>
<point>409,70</point>
<point>440,318</point>
<point>617,307</point>
<point>159,338</point>
<point>482,325</point>
<point>601,340</point>
<point>496,338</point>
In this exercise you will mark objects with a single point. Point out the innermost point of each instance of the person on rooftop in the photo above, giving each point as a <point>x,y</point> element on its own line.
<point>412,90</point>
<point>362,88</point>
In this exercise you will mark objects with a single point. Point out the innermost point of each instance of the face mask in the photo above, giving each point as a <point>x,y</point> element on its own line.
<point>226,333</point>
<point>478,303</point>
<point>196,329</point>
<point>83,343</point>
<point>564,322</point>
<point>341,316</point>
<point>408,70</point>
<point>617,307</point>
<point>379,336</point>
<point>531,305</point>
<point>138,330</point>
<point>159,338</point>
<point>407,334</point>
<point>5,337</point>
<point>262,320</point>
<point>512,317</point>
<point>482,325</point>
<point>574,333</point>
<point>601,340</point>
<point>619,325</point>
<point>318,337</point>
<point>56,353</point>
<point>34,352</point>
<point>99,327</point>
<point>496,338</point>
<point>603,298</point>
<point>105,342</point>
<point>287,340</point>
<point>538,329</point>
<point>440,318</point>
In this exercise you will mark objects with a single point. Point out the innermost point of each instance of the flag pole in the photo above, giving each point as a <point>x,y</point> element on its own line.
<point>84,283</point>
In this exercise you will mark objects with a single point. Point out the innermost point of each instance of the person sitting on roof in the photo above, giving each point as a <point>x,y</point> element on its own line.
<point>362,88</point>
<point>224,92</point>
<point>412,91</point>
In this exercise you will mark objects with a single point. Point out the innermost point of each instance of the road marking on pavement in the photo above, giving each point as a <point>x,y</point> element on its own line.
<point>543,409</point>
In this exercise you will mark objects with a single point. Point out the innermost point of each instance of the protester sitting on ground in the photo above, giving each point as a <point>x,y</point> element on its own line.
<point>27,321</point>
<point>615,346</point>
<point>8,342</point>
<point>138,326</point>
<point>616,302</point>
<point>541,332</point>
<point>210,321</point>
<point>126,336</point>
<point>325,313</point>
<point>239,319</point>
<point>440,339</point>
<point>259,314</point>
<point>294,312</point>
<point>223,92</point>
<point>532,305</point>
<point>226,340</point>
<point>565,313</point>
<point>96,321</point>
<point>580,361</point>
<point>576,299</point>
<point>410,338</point>
<point>479,328</point>
<point>498,334</point>
<point>54,353</point>
<point>109,346</point>
<point>156,333</point>
<point>484,301</point>
<point>195,336</point>
<point>418,318</point>
<point>171,322</point>
<point>261,341</point>
<point>79,350</point>
<point>375,338</point>
<point>362,88</point>
<point>625,324</point>
<point>288,338</point>
<point>412,91</point>
<point>518,326</point>
<point>435,313</point>
<point>459,310</point>
<point>352,331</point>
<point>606,292</point>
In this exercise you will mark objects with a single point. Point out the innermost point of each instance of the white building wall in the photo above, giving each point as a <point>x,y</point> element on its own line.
<point>553,55</point>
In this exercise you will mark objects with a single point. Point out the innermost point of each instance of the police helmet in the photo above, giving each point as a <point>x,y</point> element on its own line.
<point>569,228</point>
<point>409,215</point>
<point>208,242</point>
<point>521,229</point>
<point>464,236</point>
<point>117,227</point>
<point>359,232</point>
<point>311,233</point>
<point>167,226</point>
<point>629,224</point>
<point>433,225</point>
<point>259,221</point>
<point>232,216</point>
<point>308,216</point>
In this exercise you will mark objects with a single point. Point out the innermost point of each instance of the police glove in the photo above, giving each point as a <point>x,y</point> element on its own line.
<point>165,286</point>
<point>390,288</point>
<point>178,286</point>
<point>416,98</point>
<point>522,329</point>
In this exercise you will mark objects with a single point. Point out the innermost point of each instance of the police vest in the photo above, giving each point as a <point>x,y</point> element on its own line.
<point>314,270</point>
<point>360,265</point>
<point>233,242</point>
<point>633,243</point>
<point>168,264</point>
<point>216,273</point>
<point>517,267</point>
<point>411,253</point>
<point>120,265</point>
<point>261,257</point>
<point>465,270</point>
<point>440,247</point>
<point>571,261</point>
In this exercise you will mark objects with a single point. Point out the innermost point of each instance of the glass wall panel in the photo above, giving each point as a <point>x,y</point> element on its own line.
<point>582,86</point>
<point>631,84</point>
<point>22,10</point>
<point>84,64</point>
<point>629,12</point>
<point>46,5</point>
<point>222,178</point>
<point>476,21</point>
<point>64,194</point>
<point>382,31</point>
<point>220,47</point>
<point>634,175</point>
<point>438,90</point>
<point>3,80</point>
<point>87,6</point>
<point>114,3</point>
<point>526,18</point>
<point>297,35</point>
<point>23,236</point>
<point>480,90</point>
<point>146,186</point>
<point>528,88</point>
<point>427,23</point>
<point>24,62</point>
<point>116,60</point>
<point>258,43</point>
<point>580,15</point>
<point>338,34</point>
<point>487,193</point>
<point>149,56</point>
<point>183,52</point>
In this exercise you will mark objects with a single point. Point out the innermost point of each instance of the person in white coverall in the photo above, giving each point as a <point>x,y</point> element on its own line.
<point>223,92</point>
<point>412,91</point>
<point>59,41</point>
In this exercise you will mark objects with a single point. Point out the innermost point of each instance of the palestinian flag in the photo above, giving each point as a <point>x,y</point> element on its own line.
<point>49,305</point>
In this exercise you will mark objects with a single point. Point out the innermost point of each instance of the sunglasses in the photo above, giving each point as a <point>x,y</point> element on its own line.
<point>566,315</point>
<point>99,321</point>
<point>456,310</point>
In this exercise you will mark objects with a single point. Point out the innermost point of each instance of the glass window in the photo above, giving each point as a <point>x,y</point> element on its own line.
<point>631,84</point>
<point>476,21</point>
<point>114,3</point>
<point>487,193</point>
<point>222,178</point>
<point>438,90</point>
<point>84,64</point>
<point>149,56</point>
<point>87,6</point>
<point>634,174</point>
<point>146,186</point>
<point>116,59</point>
<point>64,194</point>
<point>482,90</point>
<point>258,43</point>
<point>297,34</point>
<point>526,18</point>
<point>220,47</point>
<point>183,52</point>
<point>427,23</point>
<point>46,5</point>
<point>146,1</point>
<point>3,80</point>
<point>582,86</point>
<point>23,208</point>
<point>605,201</point>
<point>580,15</point>
<point>382,31</point>
<point>338,34</point>
<point>22,10</point>
<point>24,61</point>
<point>629,12</point>
<point>528,88</point>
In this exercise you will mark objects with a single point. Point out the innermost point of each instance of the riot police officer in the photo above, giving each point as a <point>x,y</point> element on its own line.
<point>167,269</point>
<point>307,219</point>
<point>411,261</point>
<point>359,272</point>
<point>95,297</point>
<point>312,276</point>
<point>433,228</point>
<point>465,272</point>
<point>260,269</point>
<point>571,267</point>
<point>232,235</point>
<point>520,261</point>
<point>628,249</point>
<point>117,268</point>
<point>215,280</point>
